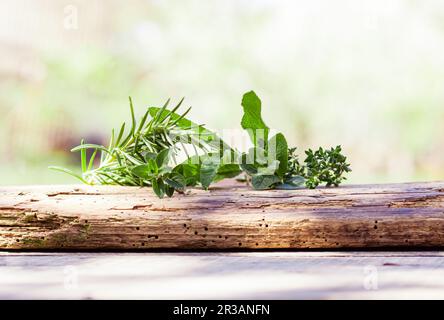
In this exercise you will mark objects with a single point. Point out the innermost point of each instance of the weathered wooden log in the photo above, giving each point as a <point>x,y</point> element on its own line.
<point>229,216</point>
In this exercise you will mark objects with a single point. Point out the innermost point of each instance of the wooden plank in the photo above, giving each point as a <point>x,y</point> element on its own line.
<point>230,216</point>
<point>243,275</point>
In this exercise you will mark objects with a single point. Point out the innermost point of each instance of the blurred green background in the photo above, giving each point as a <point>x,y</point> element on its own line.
<point>364,74</point>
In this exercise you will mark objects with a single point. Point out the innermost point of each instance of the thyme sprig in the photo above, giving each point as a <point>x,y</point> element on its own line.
<point>326,166</point>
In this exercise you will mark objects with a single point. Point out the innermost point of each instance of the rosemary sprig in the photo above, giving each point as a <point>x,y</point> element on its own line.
<point>143,157</point>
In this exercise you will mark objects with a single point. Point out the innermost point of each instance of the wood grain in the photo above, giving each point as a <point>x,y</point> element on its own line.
<point>230,216</point>
<point>222,275</point>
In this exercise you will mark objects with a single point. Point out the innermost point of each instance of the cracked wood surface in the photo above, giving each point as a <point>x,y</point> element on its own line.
<point>229,216</point>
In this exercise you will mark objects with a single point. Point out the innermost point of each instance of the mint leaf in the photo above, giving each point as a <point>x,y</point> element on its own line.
<point>227,171</point>
<point>247,165</point>
<point>263,182</point>
<point>270,169</point>
<point>208,171</point>
<point>278,149</point>
<point>295,180</point>
<point>291,183</point>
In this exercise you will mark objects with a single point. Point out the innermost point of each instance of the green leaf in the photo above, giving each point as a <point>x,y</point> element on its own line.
<point>143,171</point>
<point>227,171</point>
<point>208,171</point>
<point>163,157</point>
<point>119,137</point>
<point>91,160</point>
<point>296,181</point>
<point>189,171</point>
<point>204,134</point>
<point>89,146</point>
<point>182,123</point>
<point>158,187</point>
<point>256,155</point>
<point>263,182</point>
<point>142,122</point>
<point>252,119</point>
<point>133,118</point>
<point>292,183</point>
<point>278,150</point>
<point>177,181</point>
<point>153,166</point>
<point>165,170</point>
<point>72,173</point>
<point>270,169</point>
<point>247,166</point>
<point>150,155</point>
<point>286,186</point>
<point>83,156</point>
<point>169,191</point>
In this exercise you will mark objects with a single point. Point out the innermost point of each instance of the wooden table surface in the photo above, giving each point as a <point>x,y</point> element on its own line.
<point>229,216</point>
<point>49,219</point>
<point>242,275</point>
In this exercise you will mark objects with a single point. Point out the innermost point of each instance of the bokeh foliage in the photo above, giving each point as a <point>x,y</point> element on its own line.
<point>366,75</point>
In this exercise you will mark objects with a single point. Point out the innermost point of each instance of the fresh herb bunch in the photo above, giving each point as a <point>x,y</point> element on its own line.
<point>320,166</point>
<point>271,164</point>
<point>147,155</point>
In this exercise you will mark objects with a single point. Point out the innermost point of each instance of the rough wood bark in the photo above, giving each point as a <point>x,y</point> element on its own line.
<point>228,217</point>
